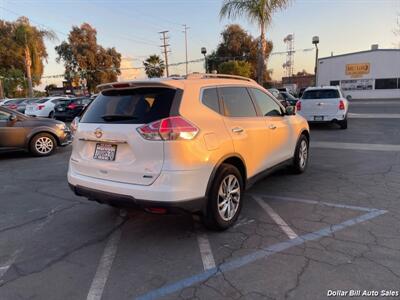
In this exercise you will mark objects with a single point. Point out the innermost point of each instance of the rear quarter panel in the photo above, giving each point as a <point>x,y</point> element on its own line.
<point>211,143</point>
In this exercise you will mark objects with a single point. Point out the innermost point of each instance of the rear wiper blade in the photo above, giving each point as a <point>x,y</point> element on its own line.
<point>117,117</point>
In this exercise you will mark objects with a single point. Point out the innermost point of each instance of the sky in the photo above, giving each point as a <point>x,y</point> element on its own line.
<point>132,27</point>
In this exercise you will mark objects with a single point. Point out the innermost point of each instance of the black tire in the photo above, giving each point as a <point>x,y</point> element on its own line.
<point>42,144</point>
<point>212,218</point>
<point>343,124</point>
<point>51,115</point>
<point>299,164</point>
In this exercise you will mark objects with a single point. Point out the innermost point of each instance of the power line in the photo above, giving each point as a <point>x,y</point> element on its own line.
<point>33,21</point>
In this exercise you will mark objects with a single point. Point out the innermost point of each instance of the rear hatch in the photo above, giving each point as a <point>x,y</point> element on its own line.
<point>320,102</point>
<point>107,144</point>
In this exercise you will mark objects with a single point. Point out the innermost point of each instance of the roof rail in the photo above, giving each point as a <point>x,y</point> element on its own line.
<point>222,76</point>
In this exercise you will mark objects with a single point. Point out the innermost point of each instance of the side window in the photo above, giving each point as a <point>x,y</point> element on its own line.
<point>210,99</point>
<point>267,105</point>
<point>237,102</point>
<point>4,116</point>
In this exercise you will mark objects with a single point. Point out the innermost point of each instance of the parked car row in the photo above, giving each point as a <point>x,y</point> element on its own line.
<point>38,135</point>
<point>62,108</point>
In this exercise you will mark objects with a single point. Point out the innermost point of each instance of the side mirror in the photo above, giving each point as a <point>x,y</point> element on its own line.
<point>290,110</point>
<point>348,97</point>
<point>12,118</point>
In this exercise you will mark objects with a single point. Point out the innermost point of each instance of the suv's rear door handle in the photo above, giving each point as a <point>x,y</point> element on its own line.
<point>272,126</point>
<point>237,130</point>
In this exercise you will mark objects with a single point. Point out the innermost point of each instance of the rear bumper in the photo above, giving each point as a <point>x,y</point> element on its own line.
<point>126,201</point>
<point>326,118</point>
<point>183,190</point>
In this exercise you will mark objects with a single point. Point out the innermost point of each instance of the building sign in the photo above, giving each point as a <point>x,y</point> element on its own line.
<point>357,70</point>
<point>356,84</point>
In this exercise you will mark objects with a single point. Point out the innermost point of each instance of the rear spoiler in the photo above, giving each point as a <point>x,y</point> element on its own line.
<point>132,84</point>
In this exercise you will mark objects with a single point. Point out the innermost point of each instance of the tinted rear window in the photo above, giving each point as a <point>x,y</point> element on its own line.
<point>210,99</point>
<point>321,94</point>
<point>136,106</point>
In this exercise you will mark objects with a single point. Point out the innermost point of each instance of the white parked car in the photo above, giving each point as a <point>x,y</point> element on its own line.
<point>324,104</point>
<point>194,143</point>
<point>44,107</point>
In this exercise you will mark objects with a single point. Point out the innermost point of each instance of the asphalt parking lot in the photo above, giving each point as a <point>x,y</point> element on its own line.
<point>336,227</point>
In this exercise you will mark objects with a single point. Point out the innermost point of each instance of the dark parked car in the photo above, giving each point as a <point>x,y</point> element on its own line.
<point>68,110</point>
<point>40,136</point>
<point>289,98</point>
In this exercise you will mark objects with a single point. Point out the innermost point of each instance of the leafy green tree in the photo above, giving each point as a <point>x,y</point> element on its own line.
<point>236,44</point>
<point>259,12</point>
<point>234,67</point>
<point>14,83</point>
<point>154,66</point>
<point>87,61</point>
<point>22,48</point>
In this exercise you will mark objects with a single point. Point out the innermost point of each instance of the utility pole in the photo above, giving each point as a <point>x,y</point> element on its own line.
<point>185,28</point>
<point>165,45</point>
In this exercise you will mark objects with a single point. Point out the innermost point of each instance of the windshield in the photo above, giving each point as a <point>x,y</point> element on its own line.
<point>136,106</point>
<point>321,94</point>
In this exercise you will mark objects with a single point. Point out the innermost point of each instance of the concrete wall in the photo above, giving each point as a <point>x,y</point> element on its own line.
<point>383,64</point>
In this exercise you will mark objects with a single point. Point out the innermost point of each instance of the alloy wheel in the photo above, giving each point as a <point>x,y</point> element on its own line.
<point>44,145</point>
<point>303,154</point>
<point>228,197</point>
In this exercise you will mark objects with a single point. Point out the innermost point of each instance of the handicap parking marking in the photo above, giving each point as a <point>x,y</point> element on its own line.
<point>277,218</point>
<point>206,254</point>
<point>268,251</point>
<point>356,146</point>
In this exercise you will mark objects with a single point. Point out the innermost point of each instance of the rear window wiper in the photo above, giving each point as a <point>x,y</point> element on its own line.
<point>110,118</point>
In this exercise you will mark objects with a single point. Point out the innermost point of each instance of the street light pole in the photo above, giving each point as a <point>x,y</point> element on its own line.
<point>204,52</point>
<point>315,41</point>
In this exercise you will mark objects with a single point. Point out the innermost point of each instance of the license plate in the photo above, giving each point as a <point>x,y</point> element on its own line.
<point>60,109</point>
<point>318,118</point>
<point>105,152</point>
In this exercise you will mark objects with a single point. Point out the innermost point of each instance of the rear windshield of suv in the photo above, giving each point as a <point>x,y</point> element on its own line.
<point>135,106</point>
<point>321,94</point>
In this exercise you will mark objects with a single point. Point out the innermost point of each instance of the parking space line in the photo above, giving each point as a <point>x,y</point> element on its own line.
<point>207,256</point>
<point>259,254</point>
<point>356,146</point>
<point>373,116</point>
<point>105,264</point>
<point>278,220</point>
<point>307,201</point>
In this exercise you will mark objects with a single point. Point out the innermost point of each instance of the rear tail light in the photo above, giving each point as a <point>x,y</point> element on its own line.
<point>169,129</point>
<point>12,106</point>
<point>72,106</point>
<point>341,105</point>
<point>40,107</point>
<point>298,105</point>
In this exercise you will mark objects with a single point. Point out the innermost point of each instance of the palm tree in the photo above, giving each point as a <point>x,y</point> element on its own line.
<point>30,39</point>
<point>154,66</point>
<point>260,12</point>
